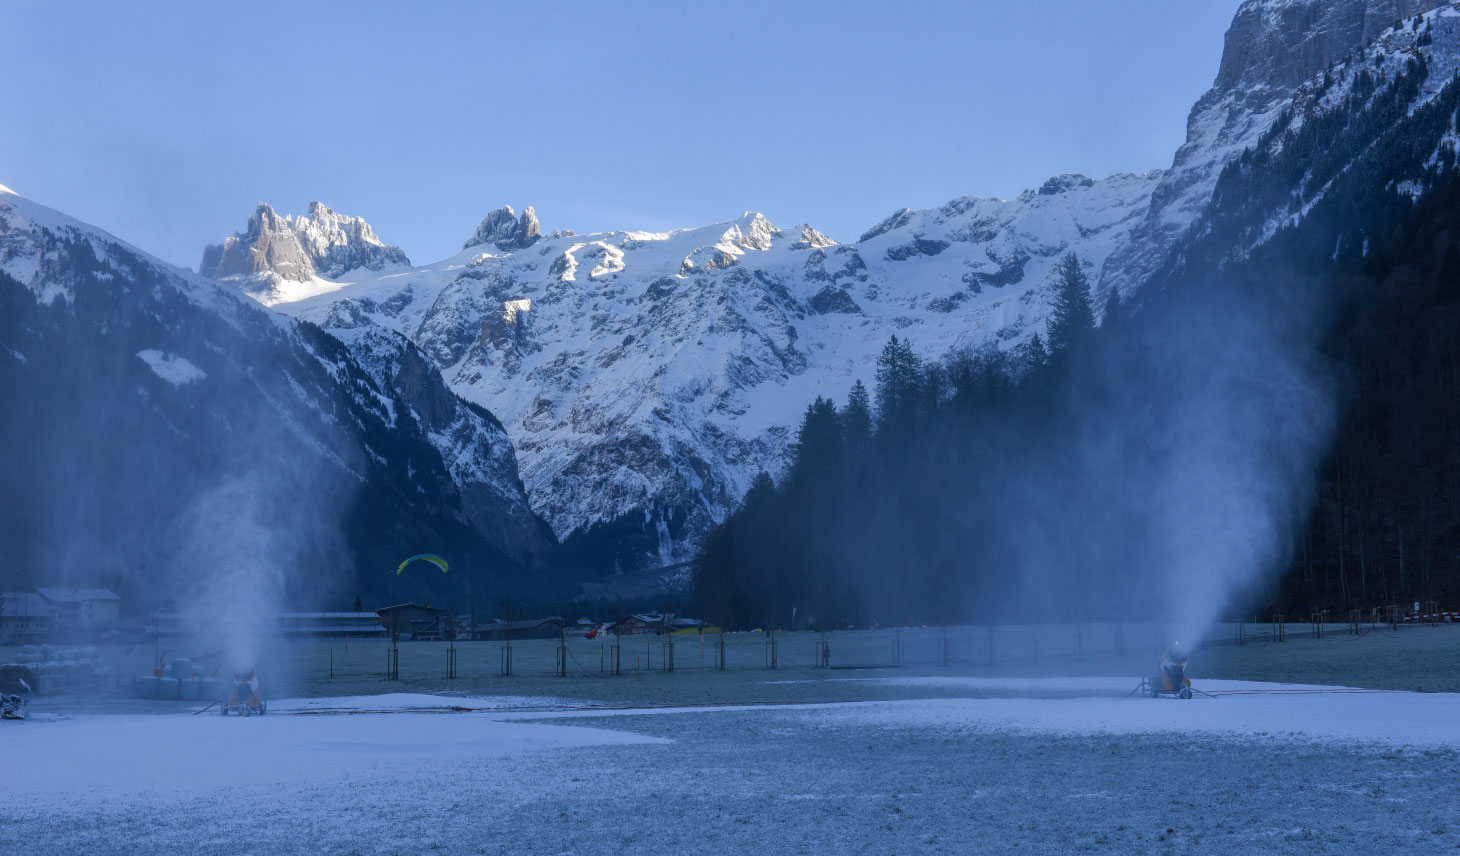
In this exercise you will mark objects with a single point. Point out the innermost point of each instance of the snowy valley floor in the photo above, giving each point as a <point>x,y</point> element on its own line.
<point>1274,772</point>
<point>935,761</point>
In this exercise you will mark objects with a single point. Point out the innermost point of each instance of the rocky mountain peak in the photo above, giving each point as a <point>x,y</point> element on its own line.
<point>809,238</point>
<point>1067,181</point>
<point>751,232</point>
<point>506,231</point>
<point>274,250</point>
<point>266,246</point>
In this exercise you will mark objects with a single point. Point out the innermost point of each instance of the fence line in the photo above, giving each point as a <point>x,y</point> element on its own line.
<point>1003,646</point>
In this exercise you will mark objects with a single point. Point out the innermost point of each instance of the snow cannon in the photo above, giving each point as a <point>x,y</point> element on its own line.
<point>244,699</point>
<point>1171,679</point>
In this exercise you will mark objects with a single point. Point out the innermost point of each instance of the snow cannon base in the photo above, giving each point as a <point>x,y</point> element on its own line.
<point>244,708</point>
<point>1159,686</point>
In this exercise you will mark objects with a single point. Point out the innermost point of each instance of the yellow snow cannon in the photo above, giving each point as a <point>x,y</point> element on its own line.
<point>244,699</point>
<point>1171,679</point>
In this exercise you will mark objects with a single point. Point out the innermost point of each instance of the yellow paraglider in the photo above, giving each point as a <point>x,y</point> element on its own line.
<point>423,557</point>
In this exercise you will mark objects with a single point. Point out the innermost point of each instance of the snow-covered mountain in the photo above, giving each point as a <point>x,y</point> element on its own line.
<point>646,377</point>
<point>140,389</point>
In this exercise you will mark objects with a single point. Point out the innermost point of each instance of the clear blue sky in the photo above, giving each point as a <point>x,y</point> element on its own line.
<point>166,122</point>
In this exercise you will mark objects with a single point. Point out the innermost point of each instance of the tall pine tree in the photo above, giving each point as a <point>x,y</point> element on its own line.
<point>857,419</point>
<point>898,373</point>
<point>1072,319</point>
<point>1036,357</point>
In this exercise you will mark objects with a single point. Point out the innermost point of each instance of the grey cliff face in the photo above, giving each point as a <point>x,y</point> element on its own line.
<point>322,243</point>
<point>1282,44</point>
<point>267,245</point>
<point>1271,48</point>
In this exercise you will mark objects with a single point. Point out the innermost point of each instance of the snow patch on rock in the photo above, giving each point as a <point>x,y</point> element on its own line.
<point>176,370</point>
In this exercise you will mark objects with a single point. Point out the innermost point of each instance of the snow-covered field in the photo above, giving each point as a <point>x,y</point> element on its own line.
<point>1262,767</point>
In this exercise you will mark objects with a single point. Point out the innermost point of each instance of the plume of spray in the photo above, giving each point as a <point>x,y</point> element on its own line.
<point>1221,410</point>
<point>264,537</point>
<point>1245,440</point>
<point>237,557</point>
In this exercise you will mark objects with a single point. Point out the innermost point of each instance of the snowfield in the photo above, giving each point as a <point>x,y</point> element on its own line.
<point>142,758</point>
<point>1261,767</point>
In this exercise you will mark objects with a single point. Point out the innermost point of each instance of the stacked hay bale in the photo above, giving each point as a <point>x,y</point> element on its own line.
<point>63,668</point>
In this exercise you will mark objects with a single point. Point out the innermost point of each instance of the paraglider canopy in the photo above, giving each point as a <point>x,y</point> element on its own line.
<point>423,557</point>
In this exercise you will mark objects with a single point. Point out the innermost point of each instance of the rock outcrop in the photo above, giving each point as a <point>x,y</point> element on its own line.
<point>506,231</point>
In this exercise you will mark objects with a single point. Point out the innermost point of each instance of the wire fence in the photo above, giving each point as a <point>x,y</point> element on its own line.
<point>995,647</point>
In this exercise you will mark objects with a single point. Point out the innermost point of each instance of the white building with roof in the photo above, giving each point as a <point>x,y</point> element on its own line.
<point>25,617</point>
<point>82,606</point>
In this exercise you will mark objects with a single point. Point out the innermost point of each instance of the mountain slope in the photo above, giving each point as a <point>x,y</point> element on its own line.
<point>1272,48</point>
<point>193,433</point>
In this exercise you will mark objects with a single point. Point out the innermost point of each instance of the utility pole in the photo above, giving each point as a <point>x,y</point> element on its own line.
<point>471,599</point>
